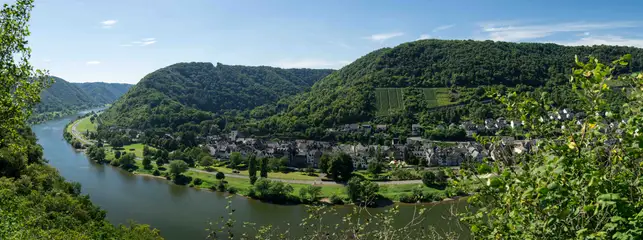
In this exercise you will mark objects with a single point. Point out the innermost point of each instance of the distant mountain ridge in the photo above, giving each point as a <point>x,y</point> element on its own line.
<point>63,98</point>
<point>104,93</point>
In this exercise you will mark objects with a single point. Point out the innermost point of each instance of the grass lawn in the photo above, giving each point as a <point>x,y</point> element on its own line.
<point>242,185</point>
<point>277,175</point>
<point>84,125</point>
<point>136,148</point>
<point>393,192</point>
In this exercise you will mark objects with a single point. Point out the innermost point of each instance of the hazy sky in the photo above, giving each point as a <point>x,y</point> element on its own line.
<point>123,40</point>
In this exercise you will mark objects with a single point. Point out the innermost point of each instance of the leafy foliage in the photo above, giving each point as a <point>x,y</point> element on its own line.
<point>584,180</point>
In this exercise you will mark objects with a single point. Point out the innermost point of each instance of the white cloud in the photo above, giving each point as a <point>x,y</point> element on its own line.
<point>498,32</point>
<point>310,63</point>
<point>92,62</point>
<point>108,23</point>
<point>424,36</point>
<point>606,40</point>
<point>384,36</point>
<point>443,27</point>
<point>141,43</point>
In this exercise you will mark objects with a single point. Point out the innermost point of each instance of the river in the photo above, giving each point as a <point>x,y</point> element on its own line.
<point>179,212</point>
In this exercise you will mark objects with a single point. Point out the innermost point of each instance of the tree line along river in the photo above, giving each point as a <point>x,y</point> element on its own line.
<point>180,212</point>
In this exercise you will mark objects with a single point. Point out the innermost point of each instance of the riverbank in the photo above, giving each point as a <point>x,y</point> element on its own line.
<point>239,183</point>
<point>181,212</point>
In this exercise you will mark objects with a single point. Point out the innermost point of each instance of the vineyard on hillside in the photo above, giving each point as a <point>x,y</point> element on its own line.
<point>389,99</point>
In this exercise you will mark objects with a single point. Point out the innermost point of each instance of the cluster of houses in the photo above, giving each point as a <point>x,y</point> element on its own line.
<point>303,153</point>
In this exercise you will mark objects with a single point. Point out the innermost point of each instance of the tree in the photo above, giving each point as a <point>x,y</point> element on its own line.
<point>127,161</point>
<point>147,162</point>
<point>219,176</point>
<point>583,180</point>
<point>264,168</point>
<point>206,161</point>
<point>117,154</point>
<point>310,193</point>
<point>177,167</point>
<point>341,167</point>
<point>146,150</point>
<point>324,162</point>
<point>235,159</point>
<point>428,178</point>
<point>252,168</point>
<point>362,191</point>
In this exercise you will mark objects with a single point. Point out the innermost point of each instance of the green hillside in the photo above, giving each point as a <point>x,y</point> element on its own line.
<point>184,95</point>
<point>64,98</point>
<point>349,95</point>
<point>62,95</point>
<point>104,93</point>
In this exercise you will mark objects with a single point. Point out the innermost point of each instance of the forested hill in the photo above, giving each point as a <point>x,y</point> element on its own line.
<point>62,95</point>
<point>349,94</point>
<point>104,93</point>
<point>64,98</point>
<point>189,93</point>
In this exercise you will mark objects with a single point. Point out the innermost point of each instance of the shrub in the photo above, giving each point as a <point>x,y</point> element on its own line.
<point>156,172</point>
<point>197,181</point>
<point>221,186</point>
<point>210,169</point>
<point>407,198</point>
<point>232,190</point>
<point>404,174</point>
<point>336,199</point>
<point>219,176</point>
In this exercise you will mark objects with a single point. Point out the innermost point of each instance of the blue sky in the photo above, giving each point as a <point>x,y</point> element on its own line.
<point>123,40</point>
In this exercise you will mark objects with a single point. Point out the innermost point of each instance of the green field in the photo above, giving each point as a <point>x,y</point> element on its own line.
<point>388,99</point>
<point>85,125</point>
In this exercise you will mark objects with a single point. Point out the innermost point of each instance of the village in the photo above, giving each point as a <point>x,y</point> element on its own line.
<point>303,153</point>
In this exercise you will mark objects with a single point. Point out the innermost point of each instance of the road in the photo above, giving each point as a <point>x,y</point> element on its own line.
<point>78,135</point>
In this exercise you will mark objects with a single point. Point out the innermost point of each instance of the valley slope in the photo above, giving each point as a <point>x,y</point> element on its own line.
<point>181,96</point>
<point>462,68</point>
<point>63,98</point>
<point>417,79</point>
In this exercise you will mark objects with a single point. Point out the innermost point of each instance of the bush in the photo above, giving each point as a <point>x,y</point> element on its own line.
<point>404,174</point>
<point>219,176</point>
<point>210,169</point>
<point>114,163</point>
<point>484,168</point>
<point>252,193</point>
<point>232,190</point>
<point>407,198</point>
<point>197,181</point>
<point>182,179</point>
<point>221,186</point>
<point>336,199</point>
<point>156,172</point>
<point>162,168</point>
